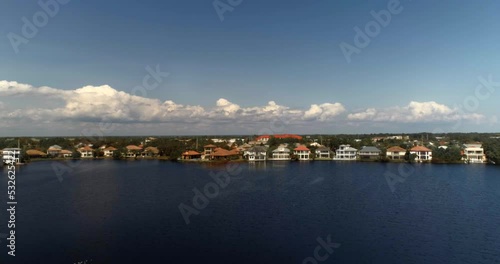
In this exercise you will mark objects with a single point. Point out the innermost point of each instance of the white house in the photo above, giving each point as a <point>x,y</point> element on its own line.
<point>423,153</point>
<point>11,154</point>
<point>396,153</point>
<point>108,152</point>
<point>474,153</point>
<point>302,152</point>
<point>323,152</point>
<point>345,152</point>
<point>86,152</point>
<point>281,153</point>
<point>257,153</point>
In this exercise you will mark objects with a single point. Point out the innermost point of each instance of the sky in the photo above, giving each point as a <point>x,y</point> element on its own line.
<point>70,67</point>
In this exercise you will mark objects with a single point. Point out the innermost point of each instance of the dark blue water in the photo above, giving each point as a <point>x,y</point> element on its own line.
<point>128,212</point>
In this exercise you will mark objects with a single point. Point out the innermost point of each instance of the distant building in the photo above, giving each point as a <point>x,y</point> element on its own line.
<point>54,150</point>
<point>109,151</point>
<point>323,153</point>
<point>396,153</point>
<point>191,154</point>
<point>345,152</point>
<point>423,153</point>
<point>281,153</point>
<point>257,153</point>
<point>86,152</point>
<point>474,153</point>
<point>369,153</point>
<point>302,152</point>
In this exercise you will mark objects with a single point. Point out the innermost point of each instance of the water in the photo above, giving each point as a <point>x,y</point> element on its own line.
<point>274,212</point>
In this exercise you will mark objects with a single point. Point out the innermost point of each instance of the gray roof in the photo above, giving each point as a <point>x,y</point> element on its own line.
<point>369,149</point>
<point>323,149</point>
<point>257,149</point>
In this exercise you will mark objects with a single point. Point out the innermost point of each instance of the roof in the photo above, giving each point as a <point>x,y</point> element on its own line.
<point>301,148</point>
<point>86,148</point>
<point>281,149</point>
<point>257,149</point>
<point>111,148</point>
<point>55,147</point>
<point>65,151</point>
<point>133,147</point>
<point>220,152</point>
<point>34,152</point>
<point>191,153</point>
<point>323,148</point>
<point>154,150</point>
<point>420,148</point>
<point>396,149</point>
<point>369,149</point>
<point>210,146</point>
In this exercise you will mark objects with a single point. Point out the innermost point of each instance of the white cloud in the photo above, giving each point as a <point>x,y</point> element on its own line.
<point>104,103</point>
<point>324,112</point>
<point>415,112</point>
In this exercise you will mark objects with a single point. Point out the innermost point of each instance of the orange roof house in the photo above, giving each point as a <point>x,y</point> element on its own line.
<point>191,154</point>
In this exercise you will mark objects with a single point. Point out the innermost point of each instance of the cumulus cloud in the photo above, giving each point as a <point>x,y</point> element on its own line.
<point>415,112</point>
<point>104,103</point>
<point>324,112</point>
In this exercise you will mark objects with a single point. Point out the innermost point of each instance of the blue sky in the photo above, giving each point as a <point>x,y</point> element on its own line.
<point>413,76</point>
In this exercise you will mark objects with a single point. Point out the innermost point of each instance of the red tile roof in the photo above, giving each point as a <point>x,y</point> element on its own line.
<point>301,148</point>
<point>133,147</point>
<point>420,148</point>
<point>396,149</point>
<point>210,146</point>
<point>191,153</point>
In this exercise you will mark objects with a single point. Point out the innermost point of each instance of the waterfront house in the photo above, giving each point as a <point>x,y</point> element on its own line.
<point>302,152</point>
<point>151,152</point>
<point>54,150</point>
<point>369,153</point>
<point>223,154</point>
<point>281,153</point>
<point>132,151</point>
<point>257,153</point>
<point>422,153</point>
<point>396,153</point>
<point>345,152</point>
<point>191,154</point>
<point>66,153</point>
<point>323,152</point>
<point>208,150</point>
<point>474,153</point>
<point>86,152</point>
<point>108,152</point>
<point>34,153</point>
<point>11,154</point>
